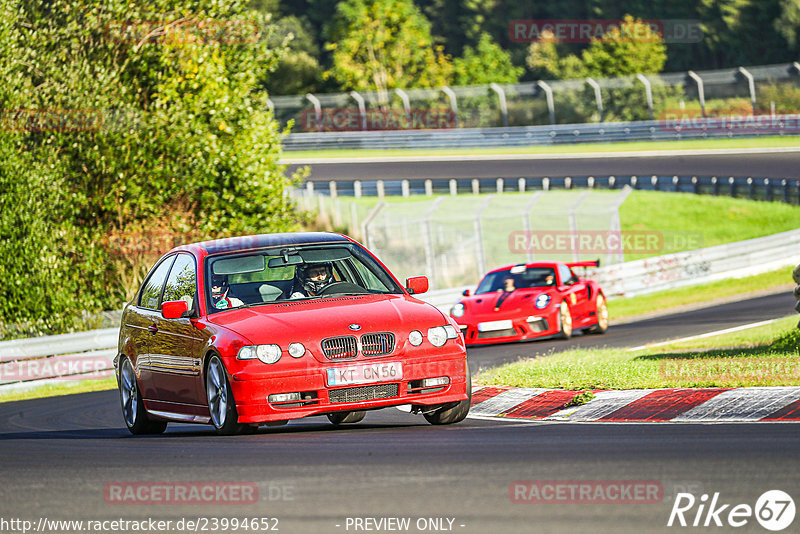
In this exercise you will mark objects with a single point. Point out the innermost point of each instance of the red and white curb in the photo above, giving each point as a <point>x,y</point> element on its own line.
<point>683,405</point>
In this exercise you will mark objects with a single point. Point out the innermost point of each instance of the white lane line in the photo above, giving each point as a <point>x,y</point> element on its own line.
<point>707,334</point>
<point>505,401</point>
<point>523,157</point>
<point>744,404</point>
<point>604,403</point>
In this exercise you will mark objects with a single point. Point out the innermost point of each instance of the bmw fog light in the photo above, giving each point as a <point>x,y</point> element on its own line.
<point>284,397</point>
<point>433,382</point>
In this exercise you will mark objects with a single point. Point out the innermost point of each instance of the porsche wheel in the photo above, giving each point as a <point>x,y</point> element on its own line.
<point>346,418</point>
<point>454,412</point>
<point>601,312</point>
<point>133,411</point>
<point>221,405</point>
<point>564,321</point>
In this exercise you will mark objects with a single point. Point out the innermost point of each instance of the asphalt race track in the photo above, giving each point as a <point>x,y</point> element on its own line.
<point>58,457</point>
<point>761,165</point>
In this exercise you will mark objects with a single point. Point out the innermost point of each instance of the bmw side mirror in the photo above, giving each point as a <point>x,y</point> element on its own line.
<point>417,284</point>
<point>174,309</point>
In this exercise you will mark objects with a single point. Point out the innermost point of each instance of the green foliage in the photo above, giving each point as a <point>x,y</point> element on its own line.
<point>485,64</point>
<point>384,44</point>
<point>163,137</point>
<point>631,49</point>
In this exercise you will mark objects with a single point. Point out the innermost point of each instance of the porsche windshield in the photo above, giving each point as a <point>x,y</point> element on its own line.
<point>510,279</point>
<point>293,273</point>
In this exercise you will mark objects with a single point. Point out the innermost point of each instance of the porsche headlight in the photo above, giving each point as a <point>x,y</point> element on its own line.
<point>437,336</point>
<point>265,353</point>
<point>542,301</point>
<point>458,310</point>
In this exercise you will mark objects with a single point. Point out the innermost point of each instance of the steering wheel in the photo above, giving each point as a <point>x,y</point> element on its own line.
<point>341,287</point>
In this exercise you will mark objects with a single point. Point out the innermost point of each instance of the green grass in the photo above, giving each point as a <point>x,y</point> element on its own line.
<point>621,308</point>
<point>699,144</point>
<point>65,388</point>
<point>762,356</point>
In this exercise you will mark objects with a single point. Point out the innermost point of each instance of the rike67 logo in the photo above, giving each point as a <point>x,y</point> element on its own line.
<point>774,510</point>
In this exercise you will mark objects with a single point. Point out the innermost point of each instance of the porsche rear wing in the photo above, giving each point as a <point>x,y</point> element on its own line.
<point>594,263</point>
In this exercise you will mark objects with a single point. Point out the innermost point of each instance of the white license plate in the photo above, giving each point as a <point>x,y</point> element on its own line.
<point>494,325</point>
<point>365,374</point>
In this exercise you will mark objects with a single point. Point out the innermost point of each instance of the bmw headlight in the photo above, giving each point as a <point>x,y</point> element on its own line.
<point>458,310</point>
<point>415,338</point>
<point>437,336</point>
<point>542,301</point>
<point>265,353</point>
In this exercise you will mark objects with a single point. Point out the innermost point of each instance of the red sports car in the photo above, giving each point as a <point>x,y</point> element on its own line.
<point>531,301</point>
<point>257,330</point>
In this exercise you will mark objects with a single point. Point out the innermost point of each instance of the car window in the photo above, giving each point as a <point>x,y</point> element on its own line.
<point>181,282</point>
<point>565,274</point>
<point>530,277</point>
<point>150,295</point>
<point>368,277</point>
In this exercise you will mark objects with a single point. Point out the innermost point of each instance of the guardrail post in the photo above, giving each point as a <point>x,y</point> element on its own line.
<point>453,187</point>
<point>785,185</point>
<point>406,105</point>
<point>428,188</point>
<point>332,190</point>
<point>648,93</point>
<point>405,188</point>
<point>362,108</point>
<point>751,188</point>
<point>634,180</point>
<point>590,182</point>
<point>501,98</point>
<point>611,182</point>
<point>701,93</point>
<point>499,185</point>
<point>548,92</point>
<point>310,189</point>
<point>751,84</point>
<point>768,188</point>
<point>476,186</point>
<point>381,189</point>
<point>453,102</point>
<point>696,185</point>
<point>715,185</point>
<point>521,184</point>
<point>732,183</point>
<point>357,189</point>
<point>568,182</point>
<point>654,181</point>
<point>598,96</point>
<point>546,184</point>
<point>675,183</point>
<point>317,109</point>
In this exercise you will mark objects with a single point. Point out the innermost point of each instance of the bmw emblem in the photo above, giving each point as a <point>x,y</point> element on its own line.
<point>354,327</point>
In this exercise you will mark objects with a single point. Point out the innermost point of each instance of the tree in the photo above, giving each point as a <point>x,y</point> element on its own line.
<point>485,64</point>
<point>384,44</point>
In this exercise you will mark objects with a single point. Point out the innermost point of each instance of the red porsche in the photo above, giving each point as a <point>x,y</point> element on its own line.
<point>531,301</point>
<point>260,330</point>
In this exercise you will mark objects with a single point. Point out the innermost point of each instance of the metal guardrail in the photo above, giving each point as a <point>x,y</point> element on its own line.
<point>26,363</point>
<point>543,135</point>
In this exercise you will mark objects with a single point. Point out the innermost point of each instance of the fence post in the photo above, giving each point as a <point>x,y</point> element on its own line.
<point>453,102</point>
<point>405,188</point>
<point>526,223</point>
<point>357,188</point>
<point>573,226</point>
<point>700,91</point>
<point>476,186</point>
<point>381,189</point>
<point>548,92</point>
<point>406,105</point>
<point>317,109</point>
<point>499,185</point>
<point>453,186</point>
<point>365,225</point>
<point>428,188</point>
<point>362,108</point>
<point>598,97</point>
<point>310,188</point>
<point>430,252</point>
<point>751,84</point>
<point>648,93</point>
<point>479,233</point>
<point>521,184</point>
<point>501,98</point>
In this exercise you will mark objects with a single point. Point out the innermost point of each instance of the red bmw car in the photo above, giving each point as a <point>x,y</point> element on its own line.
<point>531,301</point>
<point>248,331</point>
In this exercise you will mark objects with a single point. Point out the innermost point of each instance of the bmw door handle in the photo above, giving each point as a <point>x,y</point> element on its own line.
<point>152,329</point>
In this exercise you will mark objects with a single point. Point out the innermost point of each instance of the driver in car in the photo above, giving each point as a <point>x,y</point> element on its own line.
<point>220,293</point>
<point>313,279</point>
